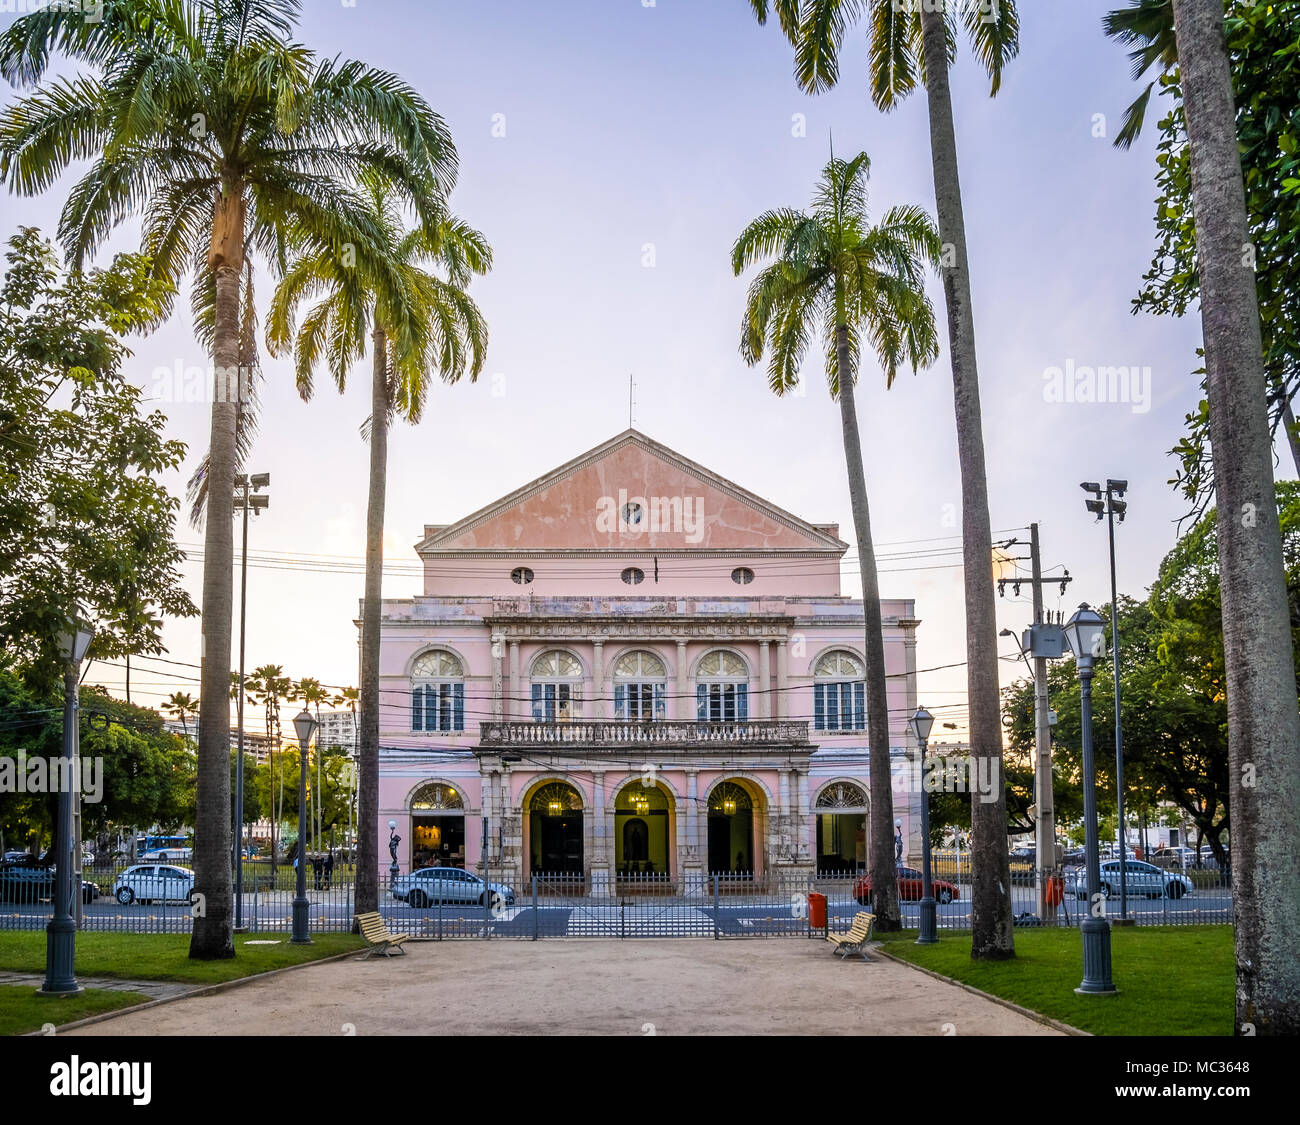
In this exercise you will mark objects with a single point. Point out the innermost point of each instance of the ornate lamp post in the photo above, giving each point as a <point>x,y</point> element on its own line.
<point>61,930</point>
<point>921,724</point>
<point>304,726</point>
<point>1086,633</point>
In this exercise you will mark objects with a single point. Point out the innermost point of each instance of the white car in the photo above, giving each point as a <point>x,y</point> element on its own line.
<point>149,882</point>
<point>1139,879</point>
<point>448,884</point>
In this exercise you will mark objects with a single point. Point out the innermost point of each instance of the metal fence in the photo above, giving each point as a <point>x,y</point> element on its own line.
<point>431,904</point>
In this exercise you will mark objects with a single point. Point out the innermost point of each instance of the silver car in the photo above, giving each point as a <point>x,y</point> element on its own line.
<point>448,884</point>
<point>1139,879</point>
<point>154,882</point>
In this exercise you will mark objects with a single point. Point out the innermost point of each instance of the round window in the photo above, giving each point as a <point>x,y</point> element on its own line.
<point>633,575</point>
<point>521,575</point>
<point>742,575</point>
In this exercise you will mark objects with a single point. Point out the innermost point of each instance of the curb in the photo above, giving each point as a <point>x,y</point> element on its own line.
<point>202,990</point>
<point>1037,1017</point>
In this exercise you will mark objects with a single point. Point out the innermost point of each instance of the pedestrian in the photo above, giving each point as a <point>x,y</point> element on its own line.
<point>315,870</point>
<point>329,869</point>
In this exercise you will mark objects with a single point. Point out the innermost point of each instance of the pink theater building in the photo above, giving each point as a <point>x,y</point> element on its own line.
<point>632,665</point>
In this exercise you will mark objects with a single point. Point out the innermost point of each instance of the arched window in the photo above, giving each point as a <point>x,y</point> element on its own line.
<point>436,797</point>
<point>557,687</point>
<point>722,688</point>
<point>639,679</point>
<point>839,693</point>
<point>437,693</point>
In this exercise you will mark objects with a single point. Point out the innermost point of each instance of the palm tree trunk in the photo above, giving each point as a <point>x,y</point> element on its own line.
<point>213,935</point>
<point>991,925</point>
<point>884,873</point>
<point>1263,720</point>
<point>367,894</point>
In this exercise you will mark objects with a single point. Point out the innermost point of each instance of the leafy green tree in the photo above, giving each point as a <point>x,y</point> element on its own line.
<point>432,266</point>
<point>912,44</point>
<point>205,119</point>
<point>833,274</point>
<point>1263,42</point>
<point>82,516</point>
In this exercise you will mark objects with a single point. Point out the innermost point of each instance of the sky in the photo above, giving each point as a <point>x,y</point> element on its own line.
<point>611,151</point>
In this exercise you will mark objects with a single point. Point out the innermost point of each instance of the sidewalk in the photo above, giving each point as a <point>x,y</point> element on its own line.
<point>679,986</point>
<point>154,989</point>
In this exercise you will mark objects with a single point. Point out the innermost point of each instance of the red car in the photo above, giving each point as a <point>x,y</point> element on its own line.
<point>909,888</point>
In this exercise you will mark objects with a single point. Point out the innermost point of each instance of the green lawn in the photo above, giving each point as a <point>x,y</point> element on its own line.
<point>1172,980</point>
<point>166,956</point>
<point>21,1010</point>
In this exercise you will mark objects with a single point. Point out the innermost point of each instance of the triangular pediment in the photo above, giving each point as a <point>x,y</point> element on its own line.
<point>631,493</point>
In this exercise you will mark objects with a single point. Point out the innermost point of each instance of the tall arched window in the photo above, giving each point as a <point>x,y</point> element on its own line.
<point>557,687</point>
<point>639,679</point>
<point>437,693</point>
<point>722,688</point>
<point>839,693</point>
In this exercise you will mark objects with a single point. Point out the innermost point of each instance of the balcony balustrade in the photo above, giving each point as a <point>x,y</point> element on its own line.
<point>597,734</point>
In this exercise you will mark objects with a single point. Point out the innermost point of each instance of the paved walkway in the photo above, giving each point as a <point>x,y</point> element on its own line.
<point>679,986</point>
<point>154,989</point>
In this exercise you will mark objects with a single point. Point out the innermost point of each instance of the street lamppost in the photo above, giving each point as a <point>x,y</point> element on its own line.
<point>1086,632</point>
<point>61,930</point>
<point>304,726</point>
<point>922,722</point>
<point>1111,507</point>
<point>246,503</point>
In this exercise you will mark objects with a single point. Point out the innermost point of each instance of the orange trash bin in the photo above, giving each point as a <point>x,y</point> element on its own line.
<point>1055,893</point>
<point>816,910</point>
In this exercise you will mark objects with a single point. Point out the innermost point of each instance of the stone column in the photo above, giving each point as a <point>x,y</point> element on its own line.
<point>498,650</point>
<point>782,680</point>
<point>764,680</point>
<point>598,710</point>
<point>602,834</point>
<point>692,854</point>
<point>515,707</point>
<point>685,709</point>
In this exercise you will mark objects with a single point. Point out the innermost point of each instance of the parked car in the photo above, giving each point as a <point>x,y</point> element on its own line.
<point>910,888</point>
<point>1139,879</point>
<point>167,855</point>
<point>1177,857</point>
<point>148,882</point>
<point>447,884</point>
<point>29,883</point>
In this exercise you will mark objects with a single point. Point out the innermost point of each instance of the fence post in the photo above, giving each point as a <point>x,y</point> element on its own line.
<point>716,877</point>
<point>534,907</point>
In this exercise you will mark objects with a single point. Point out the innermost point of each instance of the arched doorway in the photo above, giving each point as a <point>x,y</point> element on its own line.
<point>555,830</point>
<point>437,826</point>
<point>731,829</point>
<point>841,811</point>
<point>643,833</point>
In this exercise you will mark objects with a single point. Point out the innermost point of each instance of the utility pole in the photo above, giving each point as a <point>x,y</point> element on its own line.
<point>1042,648</point>
<point>1045,825</point>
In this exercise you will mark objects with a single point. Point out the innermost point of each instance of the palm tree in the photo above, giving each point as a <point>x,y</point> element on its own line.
<point>832,271</point>
<point>1263,719</point>
<point>181,704</point>
<point>266,686</point>
<point>209,122</point>
<point>910,44</point>
<point>313,694</point>
<point>430,269</point>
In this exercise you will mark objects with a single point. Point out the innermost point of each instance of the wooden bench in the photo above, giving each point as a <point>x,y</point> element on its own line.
<point>855,941</point>
<point>378,937</point>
